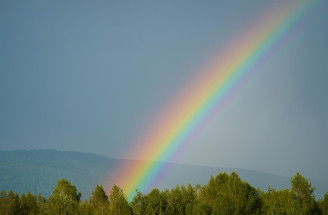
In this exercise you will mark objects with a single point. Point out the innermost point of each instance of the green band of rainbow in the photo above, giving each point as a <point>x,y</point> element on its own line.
<point>204,94</point>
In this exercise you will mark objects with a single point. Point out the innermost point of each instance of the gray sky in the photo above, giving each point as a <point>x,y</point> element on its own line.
<point>87,75</point>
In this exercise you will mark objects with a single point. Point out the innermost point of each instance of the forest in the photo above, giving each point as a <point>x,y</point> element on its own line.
<point>223,194</point>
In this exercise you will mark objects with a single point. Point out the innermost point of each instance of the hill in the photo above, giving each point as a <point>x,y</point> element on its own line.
<point>37,171</point>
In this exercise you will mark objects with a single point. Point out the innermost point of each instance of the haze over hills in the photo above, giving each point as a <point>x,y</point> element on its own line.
<point>37,171</point>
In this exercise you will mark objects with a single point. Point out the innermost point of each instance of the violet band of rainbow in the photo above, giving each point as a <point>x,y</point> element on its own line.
<point>204,94</point>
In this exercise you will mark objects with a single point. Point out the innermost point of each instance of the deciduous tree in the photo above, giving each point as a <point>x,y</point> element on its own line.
<point>118,203</point>
<point>64,199</point>
<point>138,204</point>
<point>99,201</point>
<point>304,192</point>
<point>323,204</point>
<point>14,205</point>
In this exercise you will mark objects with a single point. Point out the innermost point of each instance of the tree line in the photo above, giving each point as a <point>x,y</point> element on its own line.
<point>223,194</point>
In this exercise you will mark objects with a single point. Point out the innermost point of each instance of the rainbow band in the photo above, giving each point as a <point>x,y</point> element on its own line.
<point>204,95</point>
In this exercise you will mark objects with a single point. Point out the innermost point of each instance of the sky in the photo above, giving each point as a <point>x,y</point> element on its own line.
<point>90,76</point>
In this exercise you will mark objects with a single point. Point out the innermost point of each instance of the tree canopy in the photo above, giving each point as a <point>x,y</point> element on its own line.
<point>223,194</point>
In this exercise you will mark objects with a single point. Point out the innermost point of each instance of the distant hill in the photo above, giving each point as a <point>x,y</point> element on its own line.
<point>37,171</point>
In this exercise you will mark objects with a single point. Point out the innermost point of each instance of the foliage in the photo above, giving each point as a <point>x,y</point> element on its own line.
<point>14,205</point>
<point>138,204</point>
<point>298,200</point>
<point>223,194</point>
<point>3,193</point>
<point>64,199</point>
<point>99,201</point>
<point>323,204</point>
<point>118,203</point>
<point>230,195</point>
<point>303,193</point>
<point>28,205</point>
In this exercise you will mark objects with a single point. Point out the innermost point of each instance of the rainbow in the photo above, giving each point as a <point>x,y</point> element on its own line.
<point>174,128</point>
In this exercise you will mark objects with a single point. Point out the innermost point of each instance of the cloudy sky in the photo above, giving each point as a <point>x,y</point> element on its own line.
<point>89,75</point>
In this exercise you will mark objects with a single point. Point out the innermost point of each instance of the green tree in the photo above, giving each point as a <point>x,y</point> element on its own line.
<point>188,197</point>
<point>64,199</point>
<point>15,205</point>
<point>99,201</point>
<point>323,204</point>
<point>42,199</point>
<point>199,208</point>
<point>197,190</point>
<point>230,195</point>
<point>118,204</point>
<point>28,205</point>
<point>11,194</point>
<point>174,201</point>
<point>153,203</point>
<point>42,203</point>
<point>296,201</point>
<point>85,208</point>
<point>302,187</point>
<point>304,192</point>
<point>138,204</point>
<point>276,202</point>
<point>3,193</point>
